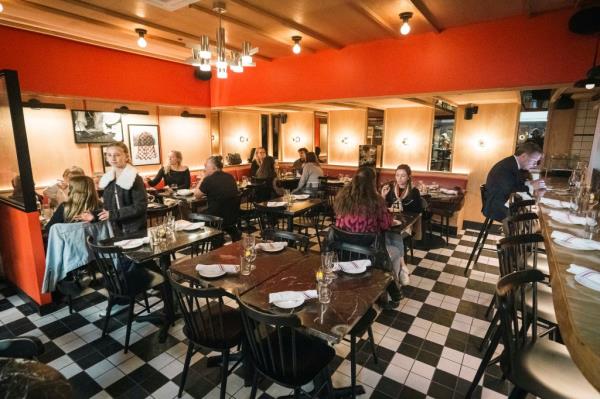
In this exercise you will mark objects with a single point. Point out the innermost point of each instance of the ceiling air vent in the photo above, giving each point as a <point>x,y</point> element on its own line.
<point>170,5</point>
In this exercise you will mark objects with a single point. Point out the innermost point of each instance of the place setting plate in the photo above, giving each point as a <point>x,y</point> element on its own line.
<point>272,247</point>
<point>130,244</point>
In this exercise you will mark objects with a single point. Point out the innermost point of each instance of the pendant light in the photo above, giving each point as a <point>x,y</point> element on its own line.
<point>141,41</point>
<point>592,79</point>
<point>405,28</point>
<point>296,48</point>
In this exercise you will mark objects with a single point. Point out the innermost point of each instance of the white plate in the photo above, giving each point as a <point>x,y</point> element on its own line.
<point>211,273</point>
<point>301,197</point>
<point>590,279</point>
<point>574,246</point>
<point>355,270</point>
<point>273,246</point>
<point>290,304</point>
<point>193,226</point>
<point>131,244</point>
<point>184,192</point>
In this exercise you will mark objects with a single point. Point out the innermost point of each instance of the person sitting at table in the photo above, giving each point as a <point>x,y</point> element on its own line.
<point>124,196</point>
<point>173,173</point>
<point>402,191</point>
<point>507,177</point>
<point>58,193</point>
<point>263,169</point>
<point>220,189</point>
<point>359,208</point>
<point>81,201</point>
<point>299,163</point>
<point>309,181</point>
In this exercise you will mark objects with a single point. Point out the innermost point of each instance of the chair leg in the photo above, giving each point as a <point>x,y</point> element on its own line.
<point>490,307</point>
<point>372,342</point>
<point>483,230</point>
<point>353,366</point>
<point>129,321</point>
<point>70,303</point>
<point>254,385</point>
<point>447,228</point>
<point>111,302</point>
<point>517,393</point>
<point>491,330</point>
<point>297,393</point>
<point>224,372</point>
<point>146,301</point>
<point>484,363</point>
<point>186,366</point>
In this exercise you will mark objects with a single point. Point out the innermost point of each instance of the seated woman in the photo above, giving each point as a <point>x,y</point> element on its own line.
<point>263,168</point>
<point>360,209</point>
<point>174,173</point>
<point>82,200</point>
<point>311,171</point>
<point>58,192</point>
<point>402,191</point>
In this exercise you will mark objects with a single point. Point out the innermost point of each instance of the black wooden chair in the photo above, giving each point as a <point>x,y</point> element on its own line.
<point>294,240</point>
<point>125,281</point>
<point>207,245</point>
<point>209,324</point>
<point>310,219</point>
<point>534,365</point>
<point>279,351</point>
<point>155,216</point>
<point>267,220</point>
<point>482,236</point>
<point>445,210</point>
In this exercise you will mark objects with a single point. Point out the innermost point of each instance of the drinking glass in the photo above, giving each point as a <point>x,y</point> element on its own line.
<point>591,220</point>
<point>245,266</point>
<point>327,261</point>
<point>324,292</point>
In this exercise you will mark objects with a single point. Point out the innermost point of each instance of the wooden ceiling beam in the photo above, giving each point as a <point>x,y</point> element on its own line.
<point>527,8</point>
<point>253,28</point>
<point>431,20</point>
<point>290,24</point>
<point>372,16</point>
<point>557,93</point>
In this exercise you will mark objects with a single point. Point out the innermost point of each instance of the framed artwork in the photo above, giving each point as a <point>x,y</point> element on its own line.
<point>97,127</point>
<point>105,163</point>
<point>144,144</point>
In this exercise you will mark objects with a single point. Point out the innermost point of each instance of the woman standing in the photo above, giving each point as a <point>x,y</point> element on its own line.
<point>402,191</point>
<point>82,201</point>
<point>174,173</point>
<point>124,196</point>
<point>311,171</point>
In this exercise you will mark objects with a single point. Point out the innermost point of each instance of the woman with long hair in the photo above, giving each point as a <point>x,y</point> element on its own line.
<point>311,171</point>
<point>82,199</point>
<point>58,193</point>
<point>401,191</point>
<point>173,173</point>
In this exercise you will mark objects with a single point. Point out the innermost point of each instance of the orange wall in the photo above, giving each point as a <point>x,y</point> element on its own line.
<point>415,124</point>
<point>22,251</point>
<point>52,65</point>
<point>512,52</point>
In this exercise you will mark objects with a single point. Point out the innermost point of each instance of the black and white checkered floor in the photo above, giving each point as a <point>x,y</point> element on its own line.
<point>428,347</point>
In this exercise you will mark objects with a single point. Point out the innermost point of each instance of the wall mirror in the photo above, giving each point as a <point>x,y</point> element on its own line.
<point>443,136</point>
<point>374,126</point>
<point>215,133</point>
<point>321,135</point>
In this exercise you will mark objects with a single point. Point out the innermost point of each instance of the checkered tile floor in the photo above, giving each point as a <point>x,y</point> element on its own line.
<point>426,348</point>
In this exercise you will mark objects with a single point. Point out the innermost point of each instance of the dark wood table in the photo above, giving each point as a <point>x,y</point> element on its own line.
<point>406,219</point>
<point>577,307</point>
<point>298,208</point>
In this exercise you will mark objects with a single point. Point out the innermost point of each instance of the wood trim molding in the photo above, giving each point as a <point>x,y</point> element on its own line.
<point>431,20</point>
<point>372,16</point>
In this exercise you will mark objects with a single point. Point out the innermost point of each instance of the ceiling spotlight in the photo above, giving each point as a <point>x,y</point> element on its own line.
<point>236,62</point>
<point>205,65</point>
<point>296,47</point>
<point>141,41</point>
<point>247,52</point>
<point>204,47</point>
<point>590,85</point>
<point>405,28</point>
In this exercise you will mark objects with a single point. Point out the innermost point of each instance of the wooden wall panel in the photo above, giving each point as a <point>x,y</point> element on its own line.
<point>235,124</point>
<point>496,125</point>
<point>413,124</point>
<point>559,131</point>
<point>298,132</point>
<point>350,126</point>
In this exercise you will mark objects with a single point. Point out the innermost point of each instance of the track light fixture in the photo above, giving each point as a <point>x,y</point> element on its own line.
<point>141,41</point>
<point>405,28</point>
<point>296,48</point>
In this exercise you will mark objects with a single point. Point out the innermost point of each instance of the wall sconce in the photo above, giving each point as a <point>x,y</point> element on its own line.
<point>125,110</point>
<point>243,139</point>
<point>345,140</point>
<point>296,139</point>
<point>212,137</point>
<point>404,141</point>
<point>481,142</point>
<point>186,114</point>
<point>34,103</point>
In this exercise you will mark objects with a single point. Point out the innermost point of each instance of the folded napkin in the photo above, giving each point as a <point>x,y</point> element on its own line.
<point>133,241</point>
<point>525,196</point>
<point>352,265</point>
<point>301,196</point>
<point>448,191</point>
<point>291,295</point>
<point>271,246</point>
<point>584,276</point>
<point>575,242</point>
<point>219,267</point>
<point>183,224</point>
<point>566,218</point>
<point>555,203</point>
<point>275,204</point>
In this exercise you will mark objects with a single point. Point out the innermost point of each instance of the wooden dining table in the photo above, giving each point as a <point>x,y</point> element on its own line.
<point>297,208</point>
<point>577,307</point>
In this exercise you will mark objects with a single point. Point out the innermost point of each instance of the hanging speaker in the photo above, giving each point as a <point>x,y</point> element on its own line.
<point>202,75</point>
<point>283,118</point>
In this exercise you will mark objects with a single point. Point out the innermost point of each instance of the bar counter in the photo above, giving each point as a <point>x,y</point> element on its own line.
<point>577,307</point>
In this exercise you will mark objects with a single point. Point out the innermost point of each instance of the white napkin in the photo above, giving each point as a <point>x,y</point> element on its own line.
<point>587,277</point>
<point>566,218</point>
<point>301,196</point>
<point>275,204</point>
<point>133,241</point>
<point>525,196</point>
<point>291,295</point>
<point>271,246</point>
<point>218,268</point>
<point>575,242</point>
<point>396,222</point>
<point>555,203</point>
<point>448,191</point>
<point>352,265</point>
<point>182,224</point>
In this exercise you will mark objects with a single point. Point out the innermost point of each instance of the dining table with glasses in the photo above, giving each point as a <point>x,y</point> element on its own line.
<point>572,244</point>
<point>290,206</point>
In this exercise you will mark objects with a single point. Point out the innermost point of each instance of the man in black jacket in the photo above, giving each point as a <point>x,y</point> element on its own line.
<point>507,177</point>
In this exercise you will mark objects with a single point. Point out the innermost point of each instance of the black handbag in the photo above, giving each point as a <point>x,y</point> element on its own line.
<point>234,159</point>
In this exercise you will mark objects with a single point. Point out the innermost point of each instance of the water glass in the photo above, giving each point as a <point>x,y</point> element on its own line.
<point>327,261</point>
<point>153,236</point>
<point>591,220</point>
<point>324,292</point>
<point>245,266</point>
<point>248,241</point>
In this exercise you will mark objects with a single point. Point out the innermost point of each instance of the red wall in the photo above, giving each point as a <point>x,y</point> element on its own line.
<point>51,65</point>
<point>512,52</point>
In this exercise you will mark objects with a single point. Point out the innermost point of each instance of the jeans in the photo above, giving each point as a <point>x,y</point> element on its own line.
<point>395,247</point>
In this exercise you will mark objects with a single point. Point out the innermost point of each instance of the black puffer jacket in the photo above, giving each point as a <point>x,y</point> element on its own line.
<point>126,200</point>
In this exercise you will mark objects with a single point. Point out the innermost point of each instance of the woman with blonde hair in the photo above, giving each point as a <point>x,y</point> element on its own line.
<point>58,192</point>
<point>173,173</point>
<point>81,201</point>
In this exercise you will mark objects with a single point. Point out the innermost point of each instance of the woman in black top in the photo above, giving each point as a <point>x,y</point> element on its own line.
<point>82,201</point>
<point>402,190</point>
<point>174,173</point>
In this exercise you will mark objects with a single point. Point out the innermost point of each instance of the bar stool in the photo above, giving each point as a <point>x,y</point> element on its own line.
<point>482,236</point>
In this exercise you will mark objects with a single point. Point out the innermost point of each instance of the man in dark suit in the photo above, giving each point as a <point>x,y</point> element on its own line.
<point>507,177</point>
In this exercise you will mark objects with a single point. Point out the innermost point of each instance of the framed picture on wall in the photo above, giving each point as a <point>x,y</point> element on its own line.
<point>97,126</point>
<point>144,144</point>
<point>105,163</point>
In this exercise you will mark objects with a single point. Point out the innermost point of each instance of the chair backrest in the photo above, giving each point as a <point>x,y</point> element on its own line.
<point>514,252</point>
<point>215,222</point>
<point>515,317</point>
<point>519,206</point>
<point>266,219</point>
<point>361,239</point>
<point>271,342</point>
<point>347,252</point>
<point>522,223</point>
<point>109,260</point>
<point>482,192</point>
<point>294,240</point>
<point>202,310</point>
<point>155,216</point>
